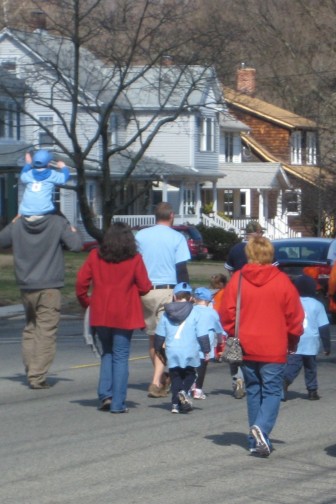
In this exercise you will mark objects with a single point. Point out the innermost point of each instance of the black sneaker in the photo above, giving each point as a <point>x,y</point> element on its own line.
<point>185,401</point>
<point>313,395</point>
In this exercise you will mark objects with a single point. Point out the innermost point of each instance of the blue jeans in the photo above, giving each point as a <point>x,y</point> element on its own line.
<point>294,366</point>
<point>113,378</point>
<point>263,383</point>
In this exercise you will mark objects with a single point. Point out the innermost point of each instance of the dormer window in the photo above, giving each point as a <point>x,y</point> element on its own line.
<point>303,148</point>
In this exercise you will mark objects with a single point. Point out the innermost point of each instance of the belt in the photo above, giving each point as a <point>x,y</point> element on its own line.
<point>164,286</point>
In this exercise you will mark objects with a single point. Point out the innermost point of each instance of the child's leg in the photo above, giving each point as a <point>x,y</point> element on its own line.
<point>189,378</point>
<point>176,383</point>
<point>310,372</point>
<point>293,367</point>
<point>201,371</point>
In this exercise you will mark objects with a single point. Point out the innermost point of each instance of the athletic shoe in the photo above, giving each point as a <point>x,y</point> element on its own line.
<point>175,408</point>
<point>105,405</point>
<point>198,394</point>
<point>238,390</point>
<point>186,403</point>
<point>313,395</point>
<point>262,447</point>
<point>40,385</point>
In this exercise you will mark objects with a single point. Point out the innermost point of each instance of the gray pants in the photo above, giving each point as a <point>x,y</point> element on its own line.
<point>43,310</point>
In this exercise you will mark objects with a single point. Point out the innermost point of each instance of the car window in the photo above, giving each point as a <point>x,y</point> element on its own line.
<point>310,252</point>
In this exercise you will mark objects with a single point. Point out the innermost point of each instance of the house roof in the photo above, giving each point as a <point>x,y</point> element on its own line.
<point>152,169</point>
<point>230,123</point>
<point>12,156</point>
<point>252,176</point>
<point>311,174</point>
<point>266,110</point>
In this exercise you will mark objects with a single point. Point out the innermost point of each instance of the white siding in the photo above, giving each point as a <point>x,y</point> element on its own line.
<point>171,144</point>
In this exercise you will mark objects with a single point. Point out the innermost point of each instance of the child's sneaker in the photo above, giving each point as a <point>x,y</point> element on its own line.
<point>198,394</point>
<point>239,389</point>
<point>175,408</point>
<point>186,403</point>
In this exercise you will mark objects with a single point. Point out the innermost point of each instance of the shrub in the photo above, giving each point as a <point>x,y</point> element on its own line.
<point>218,241</point>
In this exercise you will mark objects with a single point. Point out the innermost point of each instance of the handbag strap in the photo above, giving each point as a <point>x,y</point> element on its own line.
<point>238,306</point>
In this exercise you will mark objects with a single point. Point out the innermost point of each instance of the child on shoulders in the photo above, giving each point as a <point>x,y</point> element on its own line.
<point>40,180</point>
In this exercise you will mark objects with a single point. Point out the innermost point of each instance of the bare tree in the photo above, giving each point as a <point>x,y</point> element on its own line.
<point>99,57</point>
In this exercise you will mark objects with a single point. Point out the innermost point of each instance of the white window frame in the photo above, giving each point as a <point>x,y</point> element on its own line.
<point>244,208</point>
<point>9,119</point>
<point>114,126</point>
<point>207,134</point>
<point>297,194</point>
<point>49,119</point>
<point>229,144</point>
<point>311,148</point>
<point>296,147</point>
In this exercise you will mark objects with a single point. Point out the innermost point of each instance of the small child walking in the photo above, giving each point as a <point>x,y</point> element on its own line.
<point>218,283</point>
<point>316,327</point>
<point>202,299</point>
<point>40,180</point>
<point>182,331</point>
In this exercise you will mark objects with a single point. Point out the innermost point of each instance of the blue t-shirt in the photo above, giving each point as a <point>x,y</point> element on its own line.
<point>315,317</point>
<point>162,248</point>
<point>182,348</point>
<point>210,317</point>
<point>37,196</point>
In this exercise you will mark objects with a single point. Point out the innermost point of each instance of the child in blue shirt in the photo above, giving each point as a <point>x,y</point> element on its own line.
<point>316,327</point>
<point>40,181</point>
<point>202,299</point>
<point>182,331</point>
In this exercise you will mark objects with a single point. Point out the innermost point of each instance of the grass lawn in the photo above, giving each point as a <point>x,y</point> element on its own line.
<point>199,271</point>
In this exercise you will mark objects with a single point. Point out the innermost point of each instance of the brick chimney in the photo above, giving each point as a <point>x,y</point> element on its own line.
<point>246,80</point>
<point>38,20</point>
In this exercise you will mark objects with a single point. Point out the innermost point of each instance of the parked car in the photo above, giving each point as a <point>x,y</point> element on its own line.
<point>194,239</point>
<point>311,256</point>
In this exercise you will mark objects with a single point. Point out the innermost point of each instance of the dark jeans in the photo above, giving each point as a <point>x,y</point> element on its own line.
<point>295,362</point>
<point>200,373</point>
<point>181,379</point>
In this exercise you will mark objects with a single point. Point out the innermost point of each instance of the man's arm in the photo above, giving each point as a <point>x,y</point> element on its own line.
<point>6,237</point>
<point>182,274</point>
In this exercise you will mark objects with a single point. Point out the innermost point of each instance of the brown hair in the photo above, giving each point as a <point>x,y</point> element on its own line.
<point>259,250</point>
<point>118,243</point>
<point>183,295</point>
<point>218,281</point>
<point>163,211</point>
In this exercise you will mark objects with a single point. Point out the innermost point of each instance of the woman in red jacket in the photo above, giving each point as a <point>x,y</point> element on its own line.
<point>117,277</point>
<point>270,324</point>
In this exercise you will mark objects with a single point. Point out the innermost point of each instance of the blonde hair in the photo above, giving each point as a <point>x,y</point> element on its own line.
<point>259,250</point>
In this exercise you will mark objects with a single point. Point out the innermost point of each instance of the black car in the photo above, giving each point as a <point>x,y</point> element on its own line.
<point>311,256</point>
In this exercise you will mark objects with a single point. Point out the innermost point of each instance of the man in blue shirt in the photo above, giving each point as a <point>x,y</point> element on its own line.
<point>165,253</point>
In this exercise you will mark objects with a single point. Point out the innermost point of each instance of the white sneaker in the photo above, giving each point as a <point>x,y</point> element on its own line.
<point>175,408</point>
<point>239,389</point>
<point>199,394</point>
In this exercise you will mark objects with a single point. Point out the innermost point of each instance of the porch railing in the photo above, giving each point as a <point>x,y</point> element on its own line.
<point>274,228</point>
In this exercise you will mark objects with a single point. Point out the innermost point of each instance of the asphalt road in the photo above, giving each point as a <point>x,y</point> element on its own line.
<point>56,448</point>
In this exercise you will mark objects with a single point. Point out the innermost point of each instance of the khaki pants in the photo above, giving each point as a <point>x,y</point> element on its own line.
<point>43,310</point>
<point>153,305</point>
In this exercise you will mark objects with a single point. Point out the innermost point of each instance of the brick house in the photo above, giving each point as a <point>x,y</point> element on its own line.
<point>280,136</point>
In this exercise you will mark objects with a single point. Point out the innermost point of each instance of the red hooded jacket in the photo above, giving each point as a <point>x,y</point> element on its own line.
<point>115,291</point>
<point>271,314</point>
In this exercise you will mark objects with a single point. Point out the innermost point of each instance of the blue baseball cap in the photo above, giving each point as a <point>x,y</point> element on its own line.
<point>182,287</point>
<point>42,158</point>
<point>203,294</point>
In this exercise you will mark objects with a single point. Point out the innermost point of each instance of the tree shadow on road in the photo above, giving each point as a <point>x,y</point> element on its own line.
<point>331,450</point>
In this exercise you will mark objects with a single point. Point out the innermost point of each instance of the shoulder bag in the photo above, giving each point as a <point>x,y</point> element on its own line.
<point>233,353</point>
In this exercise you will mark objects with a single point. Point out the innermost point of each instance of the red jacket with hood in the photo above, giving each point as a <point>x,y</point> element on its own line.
<point>271,314</point>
